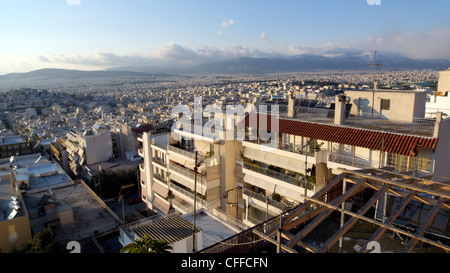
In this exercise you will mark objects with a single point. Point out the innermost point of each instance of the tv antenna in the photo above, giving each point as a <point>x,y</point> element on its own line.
<point>374,65</point>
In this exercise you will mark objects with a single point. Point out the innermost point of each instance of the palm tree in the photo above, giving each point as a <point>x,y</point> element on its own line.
<point>147,245</point>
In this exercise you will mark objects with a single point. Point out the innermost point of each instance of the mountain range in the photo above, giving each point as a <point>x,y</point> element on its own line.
<point>48,78</point>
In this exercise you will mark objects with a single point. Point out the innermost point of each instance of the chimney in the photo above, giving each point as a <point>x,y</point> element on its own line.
<point>291,105</point>
<point>339,110</point>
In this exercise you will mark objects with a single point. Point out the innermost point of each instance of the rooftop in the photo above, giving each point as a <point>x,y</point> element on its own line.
<point>404,125</point>
<point>6,202</point>
<point>213,229</point>
<point>11,139</point>
<point>89,215</point>
<point>170,230</point>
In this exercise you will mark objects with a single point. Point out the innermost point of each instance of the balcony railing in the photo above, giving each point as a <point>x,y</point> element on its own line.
<point>159,161</point>
<point>289,147</point>
<point>200,202</point>
<point>297,181</point>
<point>263,198</point>
<point>353,161</point>
<point>188,152</point>
<point>160,178</point>
<point>187,173</point>
<point>162,146</point>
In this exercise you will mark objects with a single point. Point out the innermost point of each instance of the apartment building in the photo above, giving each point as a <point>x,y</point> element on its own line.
<point>88,147</point>
<point>12,144</point>
<point>176,164</point>
<point>255,178</point>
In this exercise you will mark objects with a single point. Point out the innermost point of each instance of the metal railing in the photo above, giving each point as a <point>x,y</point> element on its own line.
<point>185,152</point>
<point>162,146</point>
<point>289,147</point>
<point>393,123</point>
<point>200,202</point>
<point>386,122</point>
<point>297,181</point>
<point>349,160</point>
<point>160,178</point>
<point>201,180</point>
<point>159,161</point>
<point>264,198</point>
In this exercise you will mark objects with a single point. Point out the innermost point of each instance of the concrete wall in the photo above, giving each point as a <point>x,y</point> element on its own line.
<point>14,233</point>
<point>403,104</point>
<point>442,152</point>
<point>98,148</point>
<point>444,81</point>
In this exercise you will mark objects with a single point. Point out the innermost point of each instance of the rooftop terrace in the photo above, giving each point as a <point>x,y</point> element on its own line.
<point>374,121</point>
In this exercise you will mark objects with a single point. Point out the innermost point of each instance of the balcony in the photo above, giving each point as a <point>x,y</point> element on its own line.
<point>351,163</point>
<point>187,196</point>
<point>262,200</point>
<point>159,161</point>
<point>205,132</point>
<point>187,151</point>
<point>158,177</point>
<point>289,156</point>
<point>290,186</point>
<point>292,147</point>
<point>157,145</point>
<point>376,121</point>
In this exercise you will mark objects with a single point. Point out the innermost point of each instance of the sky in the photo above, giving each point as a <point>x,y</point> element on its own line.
<point>98,34</point>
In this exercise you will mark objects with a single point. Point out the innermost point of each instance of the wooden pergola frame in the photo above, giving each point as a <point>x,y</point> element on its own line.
<point>383,181</point>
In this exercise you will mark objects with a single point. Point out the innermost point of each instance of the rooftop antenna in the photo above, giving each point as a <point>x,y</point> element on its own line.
<point>374,65</point>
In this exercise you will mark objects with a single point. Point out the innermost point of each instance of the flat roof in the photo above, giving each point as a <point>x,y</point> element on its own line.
<point>213,229</point>
<point>89,215</point>
<point>117,164</point>
<point>14,139</point>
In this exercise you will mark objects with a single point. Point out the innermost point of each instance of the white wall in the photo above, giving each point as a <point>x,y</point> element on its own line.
<point>403,104</point>
<point>98,148</point>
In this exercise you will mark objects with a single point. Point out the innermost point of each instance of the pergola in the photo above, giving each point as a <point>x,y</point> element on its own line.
<point>317,208</point>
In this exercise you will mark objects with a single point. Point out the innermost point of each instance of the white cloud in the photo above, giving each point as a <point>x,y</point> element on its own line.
<point>422,45</point>
<point>225,24</point>
<point>73,2</point>
<point>228,23</point>
<point>263,36</point>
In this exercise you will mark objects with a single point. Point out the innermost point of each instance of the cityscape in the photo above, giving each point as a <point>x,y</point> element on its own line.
<point>259,153</point>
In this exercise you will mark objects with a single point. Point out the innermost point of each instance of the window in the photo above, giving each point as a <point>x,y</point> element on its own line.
<point>421,163</point>
<point>400,162</point>
<point>385,104</point>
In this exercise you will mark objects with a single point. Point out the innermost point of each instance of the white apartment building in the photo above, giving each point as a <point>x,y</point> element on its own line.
<point>440,101</point>
<point>168,179</point>
<point>255,178</point>
<point>86,148</point>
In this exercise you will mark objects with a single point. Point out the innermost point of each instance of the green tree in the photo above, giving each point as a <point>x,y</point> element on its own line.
<point>147,245</point>
<point>43,242</point>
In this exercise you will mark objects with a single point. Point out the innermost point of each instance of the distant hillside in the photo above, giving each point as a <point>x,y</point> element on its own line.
<point>355,60</point>
<point>308,62</point>
<point>54,78</point>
